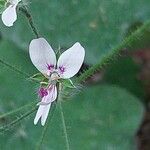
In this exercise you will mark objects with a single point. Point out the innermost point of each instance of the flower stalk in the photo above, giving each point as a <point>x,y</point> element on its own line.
<point>25,11</point>
<point>64,124</point>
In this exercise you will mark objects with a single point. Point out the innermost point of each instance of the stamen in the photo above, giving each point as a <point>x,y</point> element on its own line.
<point>54,76</point>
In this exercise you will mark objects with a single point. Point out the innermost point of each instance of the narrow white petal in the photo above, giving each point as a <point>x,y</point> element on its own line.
<point>45,114</point>
<point>42,55</point>
<point>71,60</point>
<point>9,16</point>
<point>38,114</point>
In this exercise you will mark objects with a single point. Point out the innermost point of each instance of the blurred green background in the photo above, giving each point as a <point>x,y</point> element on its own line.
<point>108,111</point>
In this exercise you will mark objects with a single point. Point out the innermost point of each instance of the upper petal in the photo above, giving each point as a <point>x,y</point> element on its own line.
<point>9,15</point>
<point>71,61</point>
<point>42,55</point>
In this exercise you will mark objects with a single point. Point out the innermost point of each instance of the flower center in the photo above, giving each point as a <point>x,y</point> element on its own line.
<point>54,76</point>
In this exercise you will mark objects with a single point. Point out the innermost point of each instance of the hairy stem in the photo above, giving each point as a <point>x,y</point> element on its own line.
<point>16,110</point>
<point>11,124</point>
<point>127,43</point>
<point>25,11</point>
<point>13,68</point>
<point>64,125</point>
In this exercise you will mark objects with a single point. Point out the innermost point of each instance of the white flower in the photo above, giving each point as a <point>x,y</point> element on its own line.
<point>44,59</point>
<point>9,15</point>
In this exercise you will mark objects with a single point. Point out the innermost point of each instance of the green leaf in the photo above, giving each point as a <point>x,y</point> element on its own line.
<point>103,117</point>
<point>67,83</point>
<point>38,77</point>
<point>124,73</point>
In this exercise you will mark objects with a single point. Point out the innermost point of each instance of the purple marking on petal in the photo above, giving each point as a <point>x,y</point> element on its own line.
<point>50,67</point>
<point>62,69</point>
<point>42,92</point>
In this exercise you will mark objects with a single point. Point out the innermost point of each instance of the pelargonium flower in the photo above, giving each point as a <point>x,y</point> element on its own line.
<point>9,15</point>
<point>44,59</point>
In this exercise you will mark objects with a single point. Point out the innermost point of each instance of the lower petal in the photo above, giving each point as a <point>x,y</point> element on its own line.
<point>52,94</point>
<point>45,105</point>
<point>39,113</point>
<point>45,114</point>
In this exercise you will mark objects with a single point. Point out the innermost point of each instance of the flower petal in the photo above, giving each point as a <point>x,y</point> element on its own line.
<point>71,61</point>
<point>45,105</point>
<point>42,55</point>
<point>45,114</point>
<point>39,114</point>
<point>9,16</point>
<point>52,94</point>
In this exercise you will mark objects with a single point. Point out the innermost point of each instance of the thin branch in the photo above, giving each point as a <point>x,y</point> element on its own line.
<point>14,68</point>
<point>25,11</point>
<point>11,124</point>
<point>114,53</point>
<point>25,75</point>
<point>64,126</point>
<point>16,110</point>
